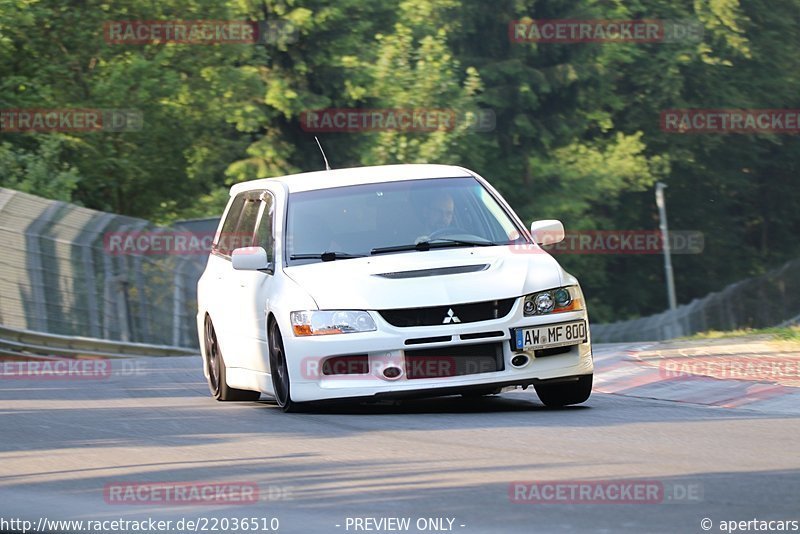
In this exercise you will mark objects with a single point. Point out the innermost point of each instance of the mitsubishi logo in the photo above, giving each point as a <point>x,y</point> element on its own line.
<point>451,317</point>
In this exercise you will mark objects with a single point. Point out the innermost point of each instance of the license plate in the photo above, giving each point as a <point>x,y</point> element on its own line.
<point>549,336</point>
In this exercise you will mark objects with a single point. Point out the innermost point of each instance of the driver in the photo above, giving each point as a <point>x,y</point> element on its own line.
<point>437,214</point>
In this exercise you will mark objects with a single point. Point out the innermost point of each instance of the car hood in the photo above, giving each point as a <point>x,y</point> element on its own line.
<point>430,278</point>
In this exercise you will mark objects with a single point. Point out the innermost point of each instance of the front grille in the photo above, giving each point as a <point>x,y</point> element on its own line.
<point>455,314</point>
<point>423,340</point>
<point>481,335</point>
<point>454,360</point>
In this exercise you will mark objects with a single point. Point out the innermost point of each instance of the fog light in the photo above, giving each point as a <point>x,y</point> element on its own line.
<point>392,372</point>
<point>519,360</point>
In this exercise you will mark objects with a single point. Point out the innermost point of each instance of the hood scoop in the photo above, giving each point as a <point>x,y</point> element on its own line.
<point>422,273</point>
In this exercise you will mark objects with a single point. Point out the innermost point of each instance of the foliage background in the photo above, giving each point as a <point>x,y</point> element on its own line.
<point>577,135</point>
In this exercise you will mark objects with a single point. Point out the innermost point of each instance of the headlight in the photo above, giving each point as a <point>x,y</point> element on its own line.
<point>553,301</point>
<point>543,302</point>
<point>320,323</point>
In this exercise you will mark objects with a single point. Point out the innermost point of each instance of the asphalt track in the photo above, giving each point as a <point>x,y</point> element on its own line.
<point>63,443</point>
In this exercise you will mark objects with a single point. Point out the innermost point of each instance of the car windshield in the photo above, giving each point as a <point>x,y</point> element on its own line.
<point>388,217</point>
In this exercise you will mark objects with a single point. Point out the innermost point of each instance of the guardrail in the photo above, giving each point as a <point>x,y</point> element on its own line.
<point>59,274</point>
<point>19,343</point>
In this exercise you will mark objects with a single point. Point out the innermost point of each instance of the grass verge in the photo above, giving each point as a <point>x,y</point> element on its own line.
<point>778,333</point>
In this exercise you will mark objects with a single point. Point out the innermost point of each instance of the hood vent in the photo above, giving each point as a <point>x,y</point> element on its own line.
<point>421,273</point>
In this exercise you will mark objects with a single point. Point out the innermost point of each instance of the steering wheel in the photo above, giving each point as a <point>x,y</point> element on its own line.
<point>453,231</point>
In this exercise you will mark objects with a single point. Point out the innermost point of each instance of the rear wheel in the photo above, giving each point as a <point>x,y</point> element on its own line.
<point>216,371</point>
<point>279,370</point>
<point>565,393</point>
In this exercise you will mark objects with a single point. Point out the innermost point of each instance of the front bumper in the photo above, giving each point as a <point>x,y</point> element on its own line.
<point>387,347</point>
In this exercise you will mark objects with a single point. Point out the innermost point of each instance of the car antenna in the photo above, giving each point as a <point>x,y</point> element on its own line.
<point>327,167</point>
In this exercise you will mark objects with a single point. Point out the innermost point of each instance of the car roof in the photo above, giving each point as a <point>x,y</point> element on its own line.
<point>309,181</point>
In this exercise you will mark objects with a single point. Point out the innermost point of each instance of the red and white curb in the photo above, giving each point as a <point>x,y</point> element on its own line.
<point>715,380</point>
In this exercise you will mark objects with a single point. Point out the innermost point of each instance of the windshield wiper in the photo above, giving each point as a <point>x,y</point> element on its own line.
<point>436,243</point>
<point>326,256</point>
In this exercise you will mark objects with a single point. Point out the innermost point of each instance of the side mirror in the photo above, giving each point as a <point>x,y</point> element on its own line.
<point>547,232</point>
<point>249,259</point>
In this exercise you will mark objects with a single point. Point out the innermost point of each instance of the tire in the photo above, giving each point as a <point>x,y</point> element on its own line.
<point>565,393</point>
<point>279,370</point>
<point>216,371</point>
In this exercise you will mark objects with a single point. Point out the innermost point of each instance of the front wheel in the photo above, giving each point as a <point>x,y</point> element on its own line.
<point>279,370</point>
<point>565,393</point>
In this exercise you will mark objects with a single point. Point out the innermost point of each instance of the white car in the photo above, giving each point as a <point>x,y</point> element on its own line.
<point>387,282</point>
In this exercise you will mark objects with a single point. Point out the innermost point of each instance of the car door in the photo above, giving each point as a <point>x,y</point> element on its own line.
<point>236,231</point>
<point>217,279</point>
<point>252,287</point>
